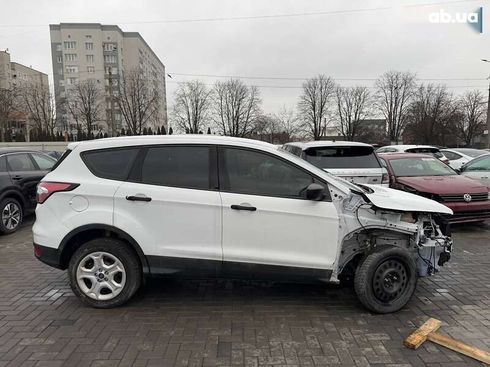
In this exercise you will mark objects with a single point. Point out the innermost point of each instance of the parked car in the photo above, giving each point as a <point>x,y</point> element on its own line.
<point>114,210</point>
<point>460,156</point>
<point>426,176</point>
<point>352,161</point>
<point>54,153</point>
<point>479,169</point>
<point>424,149</point>
<point>20,172</point>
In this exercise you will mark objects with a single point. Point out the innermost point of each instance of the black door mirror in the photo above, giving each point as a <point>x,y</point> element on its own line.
<point>315,192</point>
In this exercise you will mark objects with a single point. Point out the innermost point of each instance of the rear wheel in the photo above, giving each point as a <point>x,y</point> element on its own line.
<point>386,279</point>
<point>104,273</point>
<point>11,215</point>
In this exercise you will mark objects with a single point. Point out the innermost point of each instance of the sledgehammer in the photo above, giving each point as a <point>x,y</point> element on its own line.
<point>428,332</point>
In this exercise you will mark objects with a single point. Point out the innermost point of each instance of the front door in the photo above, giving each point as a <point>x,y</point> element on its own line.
<point>266,217</point>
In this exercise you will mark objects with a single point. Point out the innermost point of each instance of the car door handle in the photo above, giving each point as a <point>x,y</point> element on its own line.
<point>17,177</point>
<point>244,207</point>
<point>138,198</point>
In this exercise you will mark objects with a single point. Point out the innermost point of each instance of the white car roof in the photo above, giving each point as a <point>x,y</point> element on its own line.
<point>167,139</point>
<point>328,143</point>
<point>403,147</point>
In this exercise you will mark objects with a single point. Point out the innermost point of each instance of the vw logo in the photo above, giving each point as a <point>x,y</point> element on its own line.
<point>467,197</point>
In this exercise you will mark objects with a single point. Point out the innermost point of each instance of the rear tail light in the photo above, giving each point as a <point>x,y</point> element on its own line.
<point>385,179</point>
<point>46,189</point>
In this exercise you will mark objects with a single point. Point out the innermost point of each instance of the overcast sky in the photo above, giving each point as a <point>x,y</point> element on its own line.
<point>346,40</point>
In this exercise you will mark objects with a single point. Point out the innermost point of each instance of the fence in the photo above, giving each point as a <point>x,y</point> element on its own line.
<point>58,146</point>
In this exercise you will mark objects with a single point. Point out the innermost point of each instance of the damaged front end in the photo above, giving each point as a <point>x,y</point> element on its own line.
<point>386,217</point>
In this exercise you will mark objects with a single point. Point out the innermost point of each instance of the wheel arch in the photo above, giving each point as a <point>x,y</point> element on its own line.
<point>17,195</point>
<point>77,237</point>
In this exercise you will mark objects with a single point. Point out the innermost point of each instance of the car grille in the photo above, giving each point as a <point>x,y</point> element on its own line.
<point>459,197</point>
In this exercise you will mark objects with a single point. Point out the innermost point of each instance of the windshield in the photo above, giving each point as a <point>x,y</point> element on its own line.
<point>471,152</point>
<point>342,157</point>
<point>415,167</point>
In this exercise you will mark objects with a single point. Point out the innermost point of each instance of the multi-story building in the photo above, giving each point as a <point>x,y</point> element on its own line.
<point>14,77</point>
<point>82,51</point>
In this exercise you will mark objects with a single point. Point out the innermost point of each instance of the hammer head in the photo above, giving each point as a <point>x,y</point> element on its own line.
<point>419,336</point>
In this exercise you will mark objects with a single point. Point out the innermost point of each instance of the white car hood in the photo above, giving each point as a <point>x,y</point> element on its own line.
<point>386,198</point>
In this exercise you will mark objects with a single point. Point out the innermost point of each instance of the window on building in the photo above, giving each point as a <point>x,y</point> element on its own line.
<point>70,45</point>
<point>70,57</point>
<point>58,47</point>
<point>110,59</point>
<point>71,69</point>
<point>90,58</point>
<point>89,46</point>
<point>88,36</point>
<point>108,47</point>
<point>90,69</point>
<point>59,59</point>
<point>71,81</point>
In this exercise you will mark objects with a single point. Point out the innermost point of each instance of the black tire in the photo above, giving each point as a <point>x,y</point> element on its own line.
<point>386,279</point>
<point>7,228</point>
<point>116,249</point>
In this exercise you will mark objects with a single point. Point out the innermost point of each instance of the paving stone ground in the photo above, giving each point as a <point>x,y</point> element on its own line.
<point>237,323</point>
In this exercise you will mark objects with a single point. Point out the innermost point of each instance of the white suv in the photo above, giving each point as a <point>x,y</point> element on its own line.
<point>115,210</point>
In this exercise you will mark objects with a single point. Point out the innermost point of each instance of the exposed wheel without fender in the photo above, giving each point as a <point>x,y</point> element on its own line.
<point>104,273</point>
<point>386,279</point>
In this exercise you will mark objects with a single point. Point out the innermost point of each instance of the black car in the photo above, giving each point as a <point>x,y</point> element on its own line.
<point>20,172</point>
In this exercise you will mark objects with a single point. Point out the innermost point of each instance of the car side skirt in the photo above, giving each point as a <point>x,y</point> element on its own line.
<point>188,268</point>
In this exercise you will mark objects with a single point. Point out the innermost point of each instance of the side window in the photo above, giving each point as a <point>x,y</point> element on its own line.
<point>20,162</point>
<point>451,156</point>
<point>178,166</point>
<point>250,172</point>
<point>482,164</point>
<point>113,164</point>
<point>44,163</point>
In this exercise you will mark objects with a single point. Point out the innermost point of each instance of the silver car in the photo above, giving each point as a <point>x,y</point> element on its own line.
<point>479,169</point>
<point>352,161</point>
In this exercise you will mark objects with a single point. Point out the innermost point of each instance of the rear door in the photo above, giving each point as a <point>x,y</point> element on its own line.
<point>172,205</point>
<point>266,217</point>
<point>25,174</point>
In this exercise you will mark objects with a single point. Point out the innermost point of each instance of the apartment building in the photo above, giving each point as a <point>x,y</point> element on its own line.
<point>14,74</point>
<point>82,51</point>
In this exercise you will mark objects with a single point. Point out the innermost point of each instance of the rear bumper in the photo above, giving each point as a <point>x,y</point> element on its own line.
<point>48,255</point>
<point>469,212</point>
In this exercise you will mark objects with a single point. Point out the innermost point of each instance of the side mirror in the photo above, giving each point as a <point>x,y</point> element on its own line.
<point>315,192</point>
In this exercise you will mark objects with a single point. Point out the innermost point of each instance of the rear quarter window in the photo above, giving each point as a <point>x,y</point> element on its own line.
<point>113,164</point>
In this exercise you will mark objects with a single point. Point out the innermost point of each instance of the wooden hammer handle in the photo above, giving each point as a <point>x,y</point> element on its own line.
<point>459,347</point>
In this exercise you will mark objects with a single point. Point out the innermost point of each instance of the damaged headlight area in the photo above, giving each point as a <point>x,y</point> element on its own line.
<point>433,247</point>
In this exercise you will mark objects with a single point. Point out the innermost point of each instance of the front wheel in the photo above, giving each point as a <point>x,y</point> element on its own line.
<point>386,279</point>
<point>104,273</point>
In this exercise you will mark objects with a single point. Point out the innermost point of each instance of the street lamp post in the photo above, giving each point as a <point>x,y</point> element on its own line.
<point>488,110</point>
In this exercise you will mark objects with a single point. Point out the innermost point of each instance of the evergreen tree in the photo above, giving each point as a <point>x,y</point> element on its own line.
<point>164,132</point>
<point>170,131</point>
<point>209,131</point>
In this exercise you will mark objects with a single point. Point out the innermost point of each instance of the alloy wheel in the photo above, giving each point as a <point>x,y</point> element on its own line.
<point>101,276</point>
<point>11,216</point>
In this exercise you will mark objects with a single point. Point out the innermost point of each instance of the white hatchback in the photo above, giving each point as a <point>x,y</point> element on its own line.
<point>115,210</point>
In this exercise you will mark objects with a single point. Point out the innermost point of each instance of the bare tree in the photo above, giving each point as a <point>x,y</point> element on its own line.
<point>138,100</point>
<point>432,115</point>
<point>85,102</point>
<point>472,106</point>
<point>352,106</point>
<point>40,104</point>
<point>314,103</point>
<point>192,103</point>
<point>394,90</point>
<point>8,104</point>
<point>288,122</point>
<point>236,107</point>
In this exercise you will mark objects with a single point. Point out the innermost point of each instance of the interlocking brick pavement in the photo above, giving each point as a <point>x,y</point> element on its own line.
<point>236,323</point>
